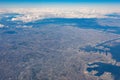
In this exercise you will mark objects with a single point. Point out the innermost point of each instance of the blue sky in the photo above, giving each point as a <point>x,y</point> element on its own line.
<point>60,1</point>
<point>32,3</point>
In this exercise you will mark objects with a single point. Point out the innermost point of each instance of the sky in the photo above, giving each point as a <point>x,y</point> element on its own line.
<point>15,3</point>
<point>59,1</point>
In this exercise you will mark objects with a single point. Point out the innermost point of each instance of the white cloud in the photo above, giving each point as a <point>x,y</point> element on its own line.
<point>23,26</point>
<point>32,14</point>
<point>1,25</point>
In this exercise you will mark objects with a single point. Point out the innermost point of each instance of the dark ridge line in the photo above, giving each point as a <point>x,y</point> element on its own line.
<point>107,42</point>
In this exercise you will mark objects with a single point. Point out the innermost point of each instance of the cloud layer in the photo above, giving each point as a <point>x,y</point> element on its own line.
<point>1,25</point>
<point>32,14</point>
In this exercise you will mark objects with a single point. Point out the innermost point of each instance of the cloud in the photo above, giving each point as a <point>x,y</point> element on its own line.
<point>32,14</point>
<point>1,25</point>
